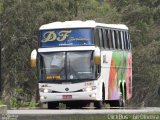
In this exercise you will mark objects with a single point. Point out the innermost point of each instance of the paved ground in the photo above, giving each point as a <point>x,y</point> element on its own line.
<point>85,114</point>
<point>86,111</point>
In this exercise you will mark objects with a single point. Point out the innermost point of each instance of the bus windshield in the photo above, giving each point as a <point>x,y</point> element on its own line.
<point>66,37</point>
<point>67,66</point>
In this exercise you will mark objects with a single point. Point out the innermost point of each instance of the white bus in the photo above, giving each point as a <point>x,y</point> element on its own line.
<point>83,62</point>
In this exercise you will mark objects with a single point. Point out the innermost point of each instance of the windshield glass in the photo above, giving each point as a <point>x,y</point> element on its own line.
<point>66,37</point>
<point>67,66</point>
<point>80,65</point>
<point>53,66</point>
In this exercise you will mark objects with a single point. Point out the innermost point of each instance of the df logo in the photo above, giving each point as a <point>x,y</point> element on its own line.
<point>52,36</point>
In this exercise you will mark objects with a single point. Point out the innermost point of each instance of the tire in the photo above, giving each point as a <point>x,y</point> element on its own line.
<point>91,105</point>
<point>118,103</point>
<point>98,104</point>
<point>53,105</point>
<point>121,102</point>
<point>74,105</point>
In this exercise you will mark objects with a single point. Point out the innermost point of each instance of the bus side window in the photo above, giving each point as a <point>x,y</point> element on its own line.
<point>107,38</point>
<point>116,39</point>
<point>104,38</point>
<point>120,39</point>
<point>97,38</point>
<point>101,38</point>
<point>129,41</point>
<point>109,34</point>
<point>121,34</point>
<point>124,40</point>
<point>113,39</point>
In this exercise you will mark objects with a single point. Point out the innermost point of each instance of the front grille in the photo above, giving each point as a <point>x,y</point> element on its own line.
<point>67,91</point>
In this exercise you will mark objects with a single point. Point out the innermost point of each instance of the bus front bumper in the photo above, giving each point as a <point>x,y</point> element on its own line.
<point>48,97</point>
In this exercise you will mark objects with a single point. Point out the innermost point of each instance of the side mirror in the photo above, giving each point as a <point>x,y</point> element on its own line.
<point>97,56</point>
<point>33,58</point>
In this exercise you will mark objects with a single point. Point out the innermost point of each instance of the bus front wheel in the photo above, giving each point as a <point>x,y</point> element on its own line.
<point>98,104</point>
<point>53,105</point>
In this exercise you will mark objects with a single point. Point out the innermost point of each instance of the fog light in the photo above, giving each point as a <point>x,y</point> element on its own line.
<point>92,95</point>
<point>43,97</point>
<point>89,88</point>
<point>45,90</point>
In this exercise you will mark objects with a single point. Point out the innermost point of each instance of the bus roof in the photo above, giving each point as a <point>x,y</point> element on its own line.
<point>80,24</point>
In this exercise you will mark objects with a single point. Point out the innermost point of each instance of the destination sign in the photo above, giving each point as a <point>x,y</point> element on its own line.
<point>68,37</point>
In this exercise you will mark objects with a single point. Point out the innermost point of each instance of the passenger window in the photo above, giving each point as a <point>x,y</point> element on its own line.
<point>116,39</point>
<point>101,38</point>
<point>107,38</point>
<point>97,38</point>
<point>120,39</point>
<point>124,40</point>
<point>110,39</point>
<point>129,42</point>
<point>104,38</point>
<point>113,39</point>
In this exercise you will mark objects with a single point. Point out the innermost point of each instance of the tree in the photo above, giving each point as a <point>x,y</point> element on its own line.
<point>21,19</point>
<point>20,22</point>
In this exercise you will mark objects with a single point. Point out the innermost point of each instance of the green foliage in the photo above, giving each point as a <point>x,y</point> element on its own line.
<point>20,20</point>
<point>31,104</point>
<point>92,9</point>
<point>1,7</point>
<point>146,74</point>
<point>142,19</point>
<point>2,102</point>
<point>14,103</point>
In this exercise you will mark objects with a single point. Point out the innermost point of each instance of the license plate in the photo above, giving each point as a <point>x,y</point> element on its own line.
<point>67,96</point>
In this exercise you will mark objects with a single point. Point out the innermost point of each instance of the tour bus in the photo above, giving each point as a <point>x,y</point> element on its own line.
<point>83,63</point>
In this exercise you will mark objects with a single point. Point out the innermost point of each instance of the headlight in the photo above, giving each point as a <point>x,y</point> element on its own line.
<point>45,90</point>
<point>43,97</point>
<point>89,88</point>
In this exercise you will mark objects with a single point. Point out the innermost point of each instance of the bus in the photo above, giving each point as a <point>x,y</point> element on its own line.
<point>83,64</point>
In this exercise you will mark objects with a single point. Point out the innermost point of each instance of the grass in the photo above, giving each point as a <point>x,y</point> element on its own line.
<point>94,117</point>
